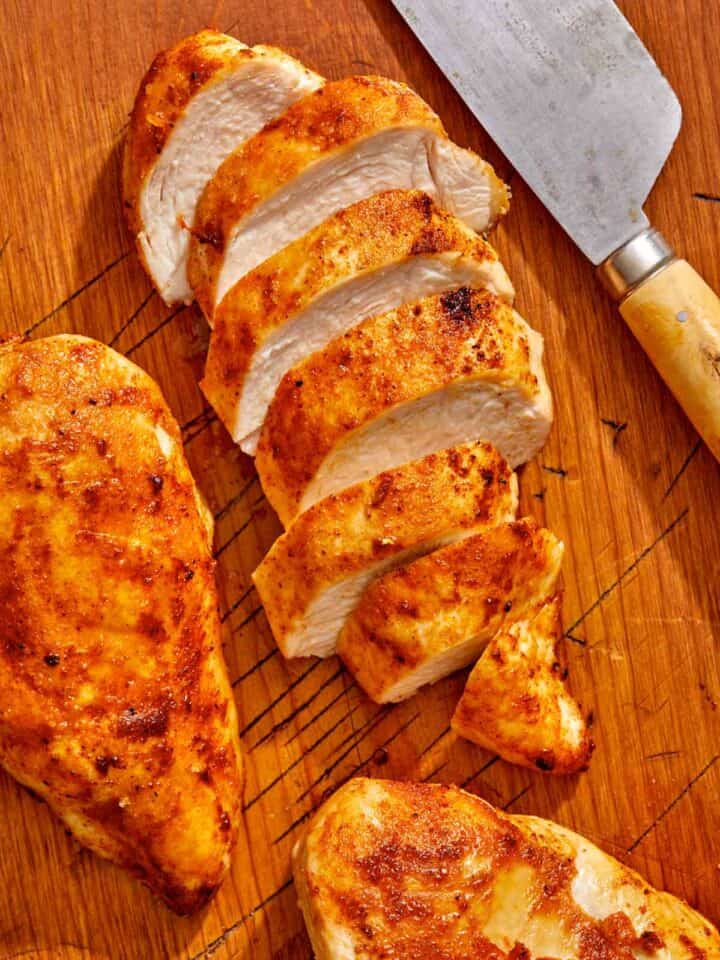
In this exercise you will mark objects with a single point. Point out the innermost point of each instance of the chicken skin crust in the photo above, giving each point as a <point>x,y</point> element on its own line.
<point>115,706</point>
<point>378,237</point>
<point>195,104</point>
<point>314,575</point>
<point>415,871</point>
<point>434,615</point>
<point>315,129</point>
<point>174,78</point>
<point>516,701</point>
<point>330,409</point>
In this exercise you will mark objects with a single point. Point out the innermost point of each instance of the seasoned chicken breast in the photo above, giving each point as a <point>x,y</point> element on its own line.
<point>449,369</point>
<point>197,103</point>
<point>430,617</point>
<point>393,248</point>
<point>516,702</point>
<point>410,871</point>
<point>314,574</point>
<point>115,706</point>
<point>345,142</point>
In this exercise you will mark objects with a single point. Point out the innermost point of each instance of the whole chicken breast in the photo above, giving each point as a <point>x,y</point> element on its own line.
<point>516,703</point>
<point>432,616</point>
<point>414,871</point>
<point>346,141</point>
<point>115,706</point>
<point>446,370</point>
<point>393,248</point>
<point>196,104</point>
<point>313,576</point>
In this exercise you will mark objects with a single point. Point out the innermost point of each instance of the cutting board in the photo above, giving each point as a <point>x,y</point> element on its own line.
<point>623,480</point>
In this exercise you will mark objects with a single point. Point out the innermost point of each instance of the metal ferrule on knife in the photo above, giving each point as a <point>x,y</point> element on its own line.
<point>635,262</point>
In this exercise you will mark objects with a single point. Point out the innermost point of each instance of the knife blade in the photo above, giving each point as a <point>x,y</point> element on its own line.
<point>574,100</point>
<point>569,94</point>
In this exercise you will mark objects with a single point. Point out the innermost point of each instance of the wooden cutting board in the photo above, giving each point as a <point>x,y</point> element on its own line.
<point>623,480</point>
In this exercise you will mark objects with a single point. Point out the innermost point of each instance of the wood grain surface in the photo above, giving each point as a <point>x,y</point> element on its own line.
<point>622,480</point>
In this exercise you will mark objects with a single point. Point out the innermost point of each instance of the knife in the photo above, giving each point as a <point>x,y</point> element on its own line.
<point>577,104</point>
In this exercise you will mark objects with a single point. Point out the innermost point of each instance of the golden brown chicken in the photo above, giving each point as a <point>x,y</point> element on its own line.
<point>115,706</point>
<point>432,616</point>
<point>414,871</point>
<point>452,368</point>
<point>516,703</point>
<point>196,104</point>
<point>314,575</point>
<point>346,141</point>
<point>392,248</point>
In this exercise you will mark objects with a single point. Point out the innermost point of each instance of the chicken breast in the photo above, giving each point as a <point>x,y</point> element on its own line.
<point>516,702</point>
<point>197,103</point>
<point>449,369</point>
<point>115,705</point>
<point>347,141</point>
<point>313,576</point>
<point>414,871</point>
<point>434,615</point>
<point>393,248</point>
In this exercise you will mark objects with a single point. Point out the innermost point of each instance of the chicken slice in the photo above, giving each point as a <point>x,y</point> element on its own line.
<point>449,369</point>
<point>314,574</point>
<point>345,142</point>
<point>516,702</point>
<point>411,870</point>
<point>393,248</point>
<point>115,705</point>
<point>430,617</point>
<point>197,103</point>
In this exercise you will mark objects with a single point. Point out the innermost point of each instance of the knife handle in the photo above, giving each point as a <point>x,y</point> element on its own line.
<point>675,316</point>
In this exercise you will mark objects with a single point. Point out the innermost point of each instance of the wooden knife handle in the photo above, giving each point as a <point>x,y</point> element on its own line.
<point>675,316</point>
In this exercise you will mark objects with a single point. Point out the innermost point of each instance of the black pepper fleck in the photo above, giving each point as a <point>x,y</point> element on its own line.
<point>103,764</point>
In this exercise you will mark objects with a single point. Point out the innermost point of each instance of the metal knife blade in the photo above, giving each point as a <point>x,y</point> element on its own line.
<point>569,94</point>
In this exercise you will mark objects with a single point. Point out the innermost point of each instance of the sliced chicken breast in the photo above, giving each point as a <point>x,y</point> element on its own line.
<point>345,142</point>
<point>516,702</point>
<point>449,369</point>
<point>430,617</point>
<point>197,103</point>
<point>393,248</point>
<point>415,870</point>
<point>313,576</point>
<point>115,706</point>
